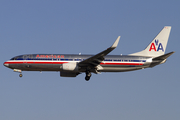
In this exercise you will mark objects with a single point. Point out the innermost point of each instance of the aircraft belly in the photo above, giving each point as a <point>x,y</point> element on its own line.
<point>36,67</point>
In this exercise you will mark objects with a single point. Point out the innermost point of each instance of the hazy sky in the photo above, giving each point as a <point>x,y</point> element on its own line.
<point>72,27</point>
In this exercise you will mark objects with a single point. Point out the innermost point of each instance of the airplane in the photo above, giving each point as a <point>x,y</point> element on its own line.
<point>71,65</point>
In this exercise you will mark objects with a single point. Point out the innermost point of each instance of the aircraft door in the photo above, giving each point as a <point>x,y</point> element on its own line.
<point>25,58</point>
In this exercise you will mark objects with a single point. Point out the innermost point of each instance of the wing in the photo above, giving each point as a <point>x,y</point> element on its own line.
<point>98,58</point>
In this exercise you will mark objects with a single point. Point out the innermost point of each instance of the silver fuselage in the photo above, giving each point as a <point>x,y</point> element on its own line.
<point>53,62</point>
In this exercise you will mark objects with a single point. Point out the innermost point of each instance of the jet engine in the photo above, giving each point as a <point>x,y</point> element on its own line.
<point>68,74</point>
<point>70,67</point>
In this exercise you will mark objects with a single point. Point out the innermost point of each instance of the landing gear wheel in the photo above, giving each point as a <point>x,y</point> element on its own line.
<point>88,75</point>
<point>20,75</point>
<point>87,78</point>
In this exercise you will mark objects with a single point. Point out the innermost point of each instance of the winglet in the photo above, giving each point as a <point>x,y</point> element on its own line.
<point>116,42</point>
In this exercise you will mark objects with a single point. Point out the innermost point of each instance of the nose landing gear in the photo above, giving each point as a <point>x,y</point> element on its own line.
<point>20,75</point>
<point>17,70</point>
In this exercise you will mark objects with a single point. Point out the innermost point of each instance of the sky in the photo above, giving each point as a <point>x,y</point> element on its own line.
<point>88,27</point>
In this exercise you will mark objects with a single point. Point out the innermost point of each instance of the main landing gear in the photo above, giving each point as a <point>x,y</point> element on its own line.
<point>88,75</point>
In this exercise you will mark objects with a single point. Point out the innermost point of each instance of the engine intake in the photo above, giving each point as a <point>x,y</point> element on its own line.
<point>70,67</point>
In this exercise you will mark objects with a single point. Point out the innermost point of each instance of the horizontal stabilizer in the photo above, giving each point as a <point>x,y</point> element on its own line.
<point>163,57</point>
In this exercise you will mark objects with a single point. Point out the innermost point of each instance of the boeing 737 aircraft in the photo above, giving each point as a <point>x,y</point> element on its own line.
<point>71,65</point>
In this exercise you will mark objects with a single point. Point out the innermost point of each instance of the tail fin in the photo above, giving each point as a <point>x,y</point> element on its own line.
<point>158,46</point>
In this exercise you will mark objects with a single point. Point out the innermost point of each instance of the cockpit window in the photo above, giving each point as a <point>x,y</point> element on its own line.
<point>14,58</point>
<point>17,58</point>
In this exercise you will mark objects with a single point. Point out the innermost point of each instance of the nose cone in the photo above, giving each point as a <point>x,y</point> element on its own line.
<point>6,64</point>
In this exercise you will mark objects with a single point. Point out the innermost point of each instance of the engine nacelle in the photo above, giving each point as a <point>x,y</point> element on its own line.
<point>68,74</point>
<point>69,67</point>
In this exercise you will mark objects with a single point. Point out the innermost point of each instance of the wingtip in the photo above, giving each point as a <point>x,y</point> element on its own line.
<point>116,42</point>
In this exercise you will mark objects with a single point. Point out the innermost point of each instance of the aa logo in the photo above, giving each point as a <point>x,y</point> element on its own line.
<point>156,47</point>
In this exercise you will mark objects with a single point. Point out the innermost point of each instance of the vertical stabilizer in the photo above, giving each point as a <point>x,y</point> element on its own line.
<point>158,46</point>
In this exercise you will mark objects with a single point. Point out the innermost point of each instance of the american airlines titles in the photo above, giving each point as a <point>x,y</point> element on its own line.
<point>49,56</point>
